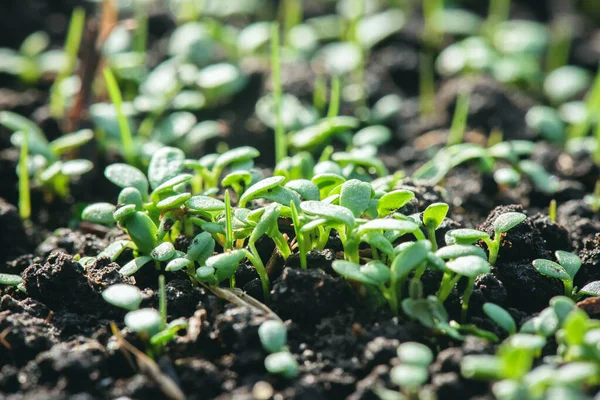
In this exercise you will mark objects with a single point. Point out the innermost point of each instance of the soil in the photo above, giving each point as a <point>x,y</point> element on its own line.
<point>56,340</point>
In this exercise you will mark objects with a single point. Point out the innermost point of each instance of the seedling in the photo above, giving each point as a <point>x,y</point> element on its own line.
<point>412,372</point>
<point>501,317</point>
<point>565,270</point>
<point>502,224</point>
<point>40,161</point>
<point>470,267</point>
<point>459,121</point>
<point>273,337</point>
<point>432,219</point>
<point>117,99</point>
<point>280,138</point>
<point>124,296</point>
<point>72,43</point>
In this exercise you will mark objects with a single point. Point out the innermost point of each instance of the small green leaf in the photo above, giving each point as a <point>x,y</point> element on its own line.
<point>501,317</point>
<point>416,354</point>
<point>393,201</point>
<point>356,196</point>
<point>71,141</point>
<point>205,204</point>
<point>205,274</point>
<point>591,289</point>
<point>377,271</point>
<point>507,176</point>
<point>434,215</point>
<point>260,188</point>
<point>124,175</point>
<point>226,264</point>
<point>202,247</point>
<point>413,255</point>
<point>387,224</point>
<point>352,271</point>
<point>409,376</point>
<point>234,156</point>
<point>526,341</point>
<point>123,212</point>
<point>131,195</point>
<point>569,261</point>
<point>170,184</point>
<point>114,250</point>
<point>142,231</point>
<point>166,163</point>
<point>374,135</point>
<point>134,265</point>
<point>305,188</point>
<point>470,266</point>
<point>163,252</point>
<point>330,212</point>
<point>273,335</point>
<point>178,263</point>
<point>99,213</point>
<point>460,250</point>
<point>282,363</point>
<point>465,236</point>
<point>175,201</point>
<point>10,279</point>
<point>243,178</point>
<point>146,320</point>
<point>551,269</point>
<point>125,296</point>
<point>507,221</point>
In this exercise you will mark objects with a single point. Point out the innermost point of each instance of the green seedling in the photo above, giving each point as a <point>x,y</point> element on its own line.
<point>470,267</point>
<point>565,270</point>
<point>459,121</point>
<point>501,317</point>
<point>116,97</point>
<point>33,60</point>
<point>24,188</point>
<point>502,224</point>
<point>280,138</point>
<point>124,296</point>
<point>412,372</point>
<point>72,44</point>
<point>433,217</point>
<point>41,160</point>
<point>282,363</point>
<point>431,314</point>
<point>593,200</point>
<point>273,336</point>
<point>448,158</point>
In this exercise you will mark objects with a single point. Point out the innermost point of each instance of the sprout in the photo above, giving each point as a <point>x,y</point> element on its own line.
<point>471,267</point>
<point>282,363</point>
<point>432,219</point>
<point>125,296</point>
<point>273,335</point>
<point>146,321</point>
<point>565,270</point>
<point>501,317</point>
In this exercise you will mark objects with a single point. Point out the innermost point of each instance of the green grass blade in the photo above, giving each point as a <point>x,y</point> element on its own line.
<point>280,139</point>
<point>117,99</point>
<point>459,121</point>
<point>72,44</point>
<point>334,98</point>
<point>24,191</point>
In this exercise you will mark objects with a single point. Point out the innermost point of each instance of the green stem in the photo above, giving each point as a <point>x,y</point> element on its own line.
<point>280,139</point>
<point>282,245</point>
<point>393,296</point>
<point>254,258</point>
<point>493,247</point>
<point>24,190</point>
<point>334,98</point>
<point>72,44</point>
<point>228,222</point>
<point>117,99</point>
<point>432,239</point>
<point>466,298</point>
<point>162,300</point>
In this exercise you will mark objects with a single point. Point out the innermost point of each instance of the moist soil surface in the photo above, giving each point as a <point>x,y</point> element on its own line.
<point>56,340</point>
